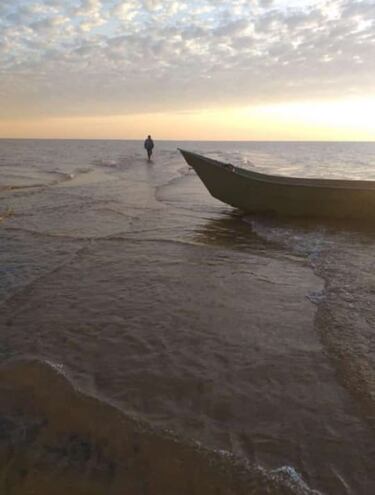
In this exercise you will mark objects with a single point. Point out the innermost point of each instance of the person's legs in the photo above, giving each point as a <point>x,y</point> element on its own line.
<point>149,153</point>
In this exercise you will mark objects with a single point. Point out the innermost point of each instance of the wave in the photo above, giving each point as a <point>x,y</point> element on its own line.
<point>57,439</point>
<point>341,254</point>
<point>44,181</point>
<point>67,176</point>
<point>106,163</point>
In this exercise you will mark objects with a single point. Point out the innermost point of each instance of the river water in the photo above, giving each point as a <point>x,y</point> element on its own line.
<point>154,340</point>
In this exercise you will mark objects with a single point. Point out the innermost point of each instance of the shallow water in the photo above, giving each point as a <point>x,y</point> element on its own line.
<point>248,335</point>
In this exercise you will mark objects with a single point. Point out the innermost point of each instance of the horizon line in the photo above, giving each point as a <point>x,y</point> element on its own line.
<point>190,140</point>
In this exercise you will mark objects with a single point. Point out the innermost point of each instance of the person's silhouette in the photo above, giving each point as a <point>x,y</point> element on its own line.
<point>149,144</point>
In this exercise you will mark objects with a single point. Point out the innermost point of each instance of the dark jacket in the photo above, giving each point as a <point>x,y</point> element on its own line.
<point>149,144</point>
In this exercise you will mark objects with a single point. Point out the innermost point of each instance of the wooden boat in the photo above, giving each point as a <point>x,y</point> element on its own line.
<point>287,196</point>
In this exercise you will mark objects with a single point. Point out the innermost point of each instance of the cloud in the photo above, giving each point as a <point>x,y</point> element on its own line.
<point>121,56</point>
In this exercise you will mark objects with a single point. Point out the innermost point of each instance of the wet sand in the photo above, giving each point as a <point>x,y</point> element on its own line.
<point>55,439</point>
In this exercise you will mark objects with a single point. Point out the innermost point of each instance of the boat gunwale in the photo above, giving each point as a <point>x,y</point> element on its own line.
<point>350,184</point>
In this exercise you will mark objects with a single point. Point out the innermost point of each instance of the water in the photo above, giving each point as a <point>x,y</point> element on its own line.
<point>154,340</point>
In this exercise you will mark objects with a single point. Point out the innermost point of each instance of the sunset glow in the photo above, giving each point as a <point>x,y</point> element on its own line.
<point>227,70</point>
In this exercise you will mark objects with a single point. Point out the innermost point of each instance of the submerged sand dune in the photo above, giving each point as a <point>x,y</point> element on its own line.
<point>56,440</point>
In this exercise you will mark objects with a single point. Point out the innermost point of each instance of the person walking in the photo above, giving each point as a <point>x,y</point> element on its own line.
<point>149,144</point>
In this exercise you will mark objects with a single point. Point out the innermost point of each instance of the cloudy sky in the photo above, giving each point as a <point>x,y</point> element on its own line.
<point>246,69</point>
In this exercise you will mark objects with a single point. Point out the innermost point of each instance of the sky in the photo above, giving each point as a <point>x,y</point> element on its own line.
<point>197,69</point>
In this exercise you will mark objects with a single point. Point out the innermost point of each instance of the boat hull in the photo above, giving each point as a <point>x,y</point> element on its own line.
<point>253,192</point>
